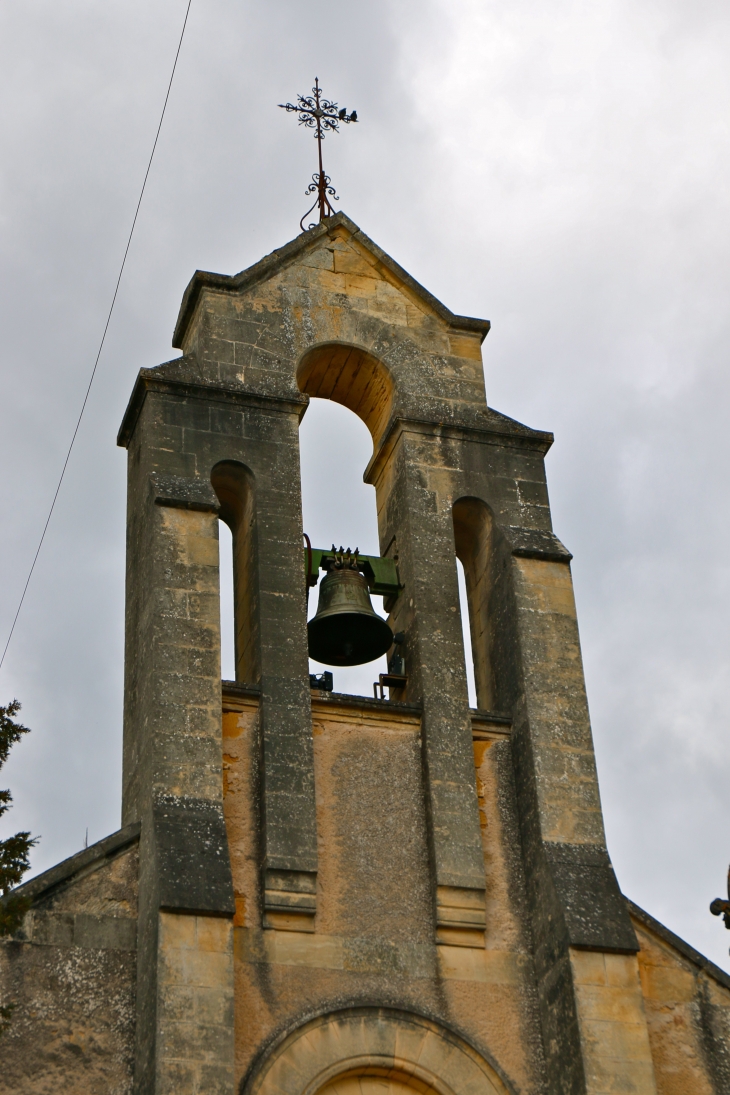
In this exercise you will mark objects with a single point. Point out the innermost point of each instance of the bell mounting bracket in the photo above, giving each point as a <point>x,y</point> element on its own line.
<point>381,574</point>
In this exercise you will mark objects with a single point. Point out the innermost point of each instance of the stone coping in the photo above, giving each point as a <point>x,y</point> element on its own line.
<point>83,862</point>
<point>647,921</point>
<point>491,722</point>
<point>334,699</point>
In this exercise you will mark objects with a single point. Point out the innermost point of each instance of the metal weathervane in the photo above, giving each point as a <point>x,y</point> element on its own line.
<point>319,114</point>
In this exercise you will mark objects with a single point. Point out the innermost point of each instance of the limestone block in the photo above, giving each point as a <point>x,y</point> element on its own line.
<point>612,1022</point>
<point>195,1013</point>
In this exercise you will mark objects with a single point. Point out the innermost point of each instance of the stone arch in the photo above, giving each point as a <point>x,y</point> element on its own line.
<point>338,1053</point>
<point>352,376</point>
<point>473,539</point>
<point>233,483</point>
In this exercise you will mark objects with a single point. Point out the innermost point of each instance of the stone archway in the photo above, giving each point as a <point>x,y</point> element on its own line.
<point>349,375</point>
<point>373,1051</point>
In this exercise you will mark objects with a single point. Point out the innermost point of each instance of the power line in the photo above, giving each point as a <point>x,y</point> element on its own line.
<point>103,338</point>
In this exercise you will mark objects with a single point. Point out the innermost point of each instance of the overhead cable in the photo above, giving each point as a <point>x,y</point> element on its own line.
<point>103,338</point>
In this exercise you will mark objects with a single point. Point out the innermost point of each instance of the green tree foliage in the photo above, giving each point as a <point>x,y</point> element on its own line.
<point>14,851</point>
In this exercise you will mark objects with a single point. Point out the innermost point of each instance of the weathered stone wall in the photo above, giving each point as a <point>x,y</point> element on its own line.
<point>374,941</point>
<point>71,973</point>
<point>687,1001</point>
<point>71,968</point>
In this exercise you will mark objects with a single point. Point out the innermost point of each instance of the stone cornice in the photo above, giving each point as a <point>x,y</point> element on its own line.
<point>501,430</point>
<point>149,380</point>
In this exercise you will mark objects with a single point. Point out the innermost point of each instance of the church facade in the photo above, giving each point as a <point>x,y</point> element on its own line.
<point>321,893</point>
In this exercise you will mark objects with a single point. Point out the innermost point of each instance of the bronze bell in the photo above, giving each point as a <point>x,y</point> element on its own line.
<point>345,629</point>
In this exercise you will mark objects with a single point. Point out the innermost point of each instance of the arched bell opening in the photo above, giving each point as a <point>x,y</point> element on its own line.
<point>335,447</point>
<point>351,376</point>
<point>473,537</point>
<point>234,485</point>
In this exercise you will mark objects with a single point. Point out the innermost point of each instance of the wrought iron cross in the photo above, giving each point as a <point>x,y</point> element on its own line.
<point>318,113</point>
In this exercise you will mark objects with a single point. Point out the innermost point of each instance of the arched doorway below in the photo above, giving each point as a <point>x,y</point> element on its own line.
<point>374,1051</point>
<point>377,1082</point>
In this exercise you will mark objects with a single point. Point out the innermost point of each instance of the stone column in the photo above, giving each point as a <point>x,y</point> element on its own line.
<point>414,504</point>
<point>592,1014</point>
<point>173,786</point>
<point>177,432</point>
<point>594,1027</point>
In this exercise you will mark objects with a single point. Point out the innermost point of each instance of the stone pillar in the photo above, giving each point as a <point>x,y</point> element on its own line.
<point>594,1027</point>
<point>177,432</point>
<point>612,1022</point>
<point>172,784</point>
<point>416,523</point>
<point>195,1008</point>
<point>522,594</point>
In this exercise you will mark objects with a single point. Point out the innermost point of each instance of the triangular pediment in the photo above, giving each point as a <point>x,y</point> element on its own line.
<point>337,240</point>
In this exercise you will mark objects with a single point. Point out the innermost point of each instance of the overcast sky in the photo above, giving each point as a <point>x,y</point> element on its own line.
<point>558,168</point>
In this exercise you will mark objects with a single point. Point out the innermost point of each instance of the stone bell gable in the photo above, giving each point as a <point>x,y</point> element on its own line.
<point>335,288</point>
<point>332,893</point>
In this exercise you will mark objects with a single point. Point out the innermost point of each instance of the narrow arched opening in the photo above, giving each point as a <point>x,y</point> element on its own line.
<point>465,611</point>
<point>234,485</point>
<point>227,614</point>
<point>473,529</point>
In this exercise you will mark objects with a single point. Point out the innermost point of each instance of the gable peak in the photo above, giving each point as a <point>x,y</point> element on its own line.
<point>334,233</point>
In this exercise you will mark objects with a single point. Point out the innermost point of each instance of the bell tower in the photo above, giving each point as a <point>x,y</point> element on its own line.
<point>336,892</point>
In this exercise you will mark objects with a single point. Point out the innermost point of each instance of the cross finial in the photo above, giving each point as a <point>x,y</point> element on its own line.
<point>320,114</point>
